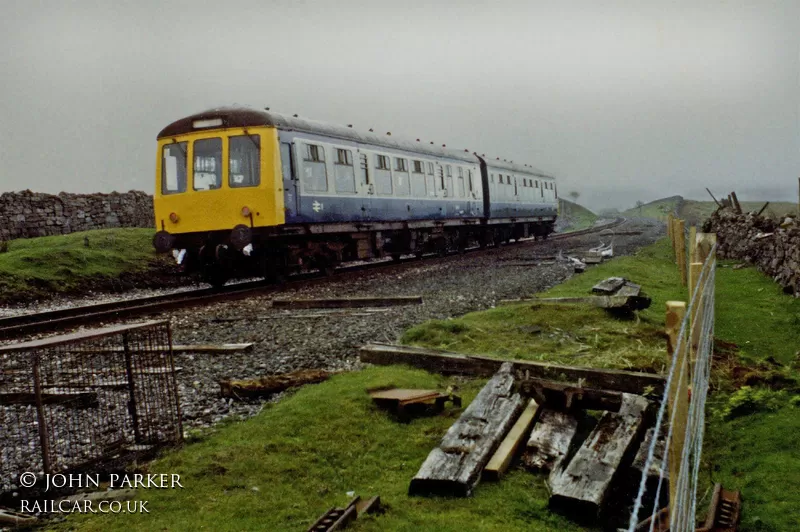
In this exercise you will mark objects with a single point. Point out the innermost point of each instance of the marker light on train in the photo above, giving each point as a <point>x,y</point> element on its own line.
<point>173,217</point>
<point>245,211</point>
<point>209,122</point>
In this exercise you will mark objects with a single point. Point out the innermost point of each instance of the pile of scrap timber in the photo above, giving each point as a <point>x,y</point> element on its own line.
<point>616,294</point>
<point>545,424</point>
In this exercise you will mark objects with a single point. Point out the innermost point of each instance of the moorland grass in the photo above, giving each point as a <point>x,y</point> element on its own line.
<point>35,267</point>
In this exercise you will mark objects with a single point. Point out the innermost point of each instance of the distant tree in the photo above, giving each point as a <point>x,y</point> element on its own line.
<point>640,204</point>
<point>574,195</point>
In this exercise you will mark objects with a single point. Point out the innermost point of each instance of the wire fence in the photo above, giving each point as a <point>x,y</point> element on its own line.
<point>69,403</point>
<point>682,411</point>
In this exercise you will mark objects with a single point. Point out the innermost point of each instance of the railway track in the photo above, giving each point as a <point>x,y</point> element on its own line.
<point>25,324</point>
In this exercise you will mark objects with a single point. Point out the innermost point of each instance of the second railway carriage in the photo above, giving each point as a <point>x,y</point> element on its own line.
<point>245,188</point>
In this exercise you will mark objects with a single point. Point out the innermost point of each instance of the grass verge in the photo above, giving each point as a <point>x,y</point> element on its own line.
<point>576,216</point>
<point>39,267</point>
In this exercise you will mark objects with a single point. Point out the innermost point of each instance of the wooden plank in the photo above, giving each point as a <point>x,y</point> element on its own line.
<point>501,460</point>
<point>568,396</point>
<point>609,286</point>
<point>16,520</point>
<point>351,302</point>
<point>581,488</point>
<point>629,290</point>
<point>454,468</point>
<point>653,473</point>
<point>681,249</point>
<point>549,441</point>
<point>211,348</point>
<point>450,363</point>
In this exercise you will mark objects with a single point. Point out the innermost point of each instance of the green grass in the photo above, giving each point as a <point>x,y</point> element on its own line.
<point>305,453</point>
<point>571,334</point>
<point>37,267</point>
<point>578,216</point>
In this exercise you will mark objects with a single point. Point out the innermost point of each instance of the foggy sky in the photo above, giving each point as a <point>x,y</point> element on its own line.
<point>622,101</point>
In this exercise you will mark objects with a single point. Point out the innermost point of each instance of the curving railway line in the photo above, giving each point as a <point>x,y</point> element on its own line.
<point>25,324</point>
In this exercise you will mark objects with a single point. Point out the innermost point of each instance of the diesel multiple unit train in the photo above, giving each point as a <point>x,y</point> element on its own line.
<point>266,193</point>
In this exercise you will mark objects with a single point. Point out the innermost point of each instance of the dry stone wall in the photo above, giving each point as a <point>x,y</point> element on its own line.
<point>774,247</point>
<point>29,214</point>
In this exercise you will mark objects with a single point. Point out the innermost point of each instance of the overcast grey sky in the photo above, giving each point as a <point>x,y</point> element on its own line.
<point>620,100</point>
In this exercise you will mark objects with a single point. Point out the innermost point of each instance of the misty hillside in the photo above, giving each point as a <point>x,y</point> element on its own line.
<point>572,216</point>
<point>695,212</point>
<point>658,209</point>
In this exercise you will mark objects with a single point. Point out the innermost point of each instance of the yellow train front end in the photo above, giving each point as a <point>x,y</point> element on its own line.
<point>217,188</point>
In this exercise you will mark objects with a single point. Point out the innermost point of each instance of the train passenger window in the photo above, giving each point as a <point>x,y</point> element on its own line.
<point>344,157</point>
<point>315,154</point>
<point>500,177</point>
<point>173,168</point>
<point>417,167</point>
<point>244,161</point>
<point>383,177</point>
<point>449,171</point>
<point>207,167</point>
<point>430,168</point>
<point>344,173</point>
<point>461,191</point>
<point>536,183</point>
<point>315,173</point>
<point>491,178</point>
<point>460,172</point>
<point>401,165</point>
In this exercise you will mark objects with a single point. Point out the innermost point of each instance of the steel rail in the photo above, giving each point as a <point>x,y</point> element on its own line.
<point>25,324</point>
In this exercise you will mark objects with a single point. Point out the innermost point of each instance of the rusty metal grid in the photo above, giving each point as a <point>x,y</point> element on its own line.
<point>72,402</point>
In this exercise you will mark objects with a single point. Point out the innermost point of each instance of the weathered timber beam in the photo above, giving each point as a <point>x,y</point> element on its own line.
<point>653,473</point>
<point>238,389</point>
<point>736,202</point>
<point>65,398</point>
<point>566,396</point>
<point>351,302</point>
<point>549,441</point>
<point>501,460</point>
<point>211,348</point>
<point>581,489</point>
<point>454,468</point>
<point>450,363</point>
<point>609,286</point>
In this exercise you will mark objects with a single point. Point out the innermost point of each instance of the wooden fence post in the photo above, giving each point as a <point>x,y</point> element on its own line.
<point>669,230</point>
<point>680,242</point>
<point>678,394</point>
<point>692,244</point>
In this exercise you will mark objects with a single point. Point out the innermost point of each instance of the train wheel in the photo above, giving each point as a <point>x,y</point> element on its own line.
<point>216,275</point>
<point>396,257</point>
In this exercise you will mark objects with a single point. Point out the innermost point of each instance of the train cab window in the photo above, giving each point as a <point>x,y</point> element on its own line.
<point>383,176</point>
<point>401,182</point>
<point>417,167</point>
<point>286,161</point>
<point>344,172</point>
<point>469,181</point>
<point>173,168</point>
<point>244,161</point>
<point>207,167</point>
<point>315,173</point>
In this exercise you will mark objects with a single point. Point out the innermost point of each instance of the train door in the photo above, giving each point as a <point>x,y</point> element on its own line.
<point>441,190</point>
<point>366,188</point>
<point>291,192</point>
